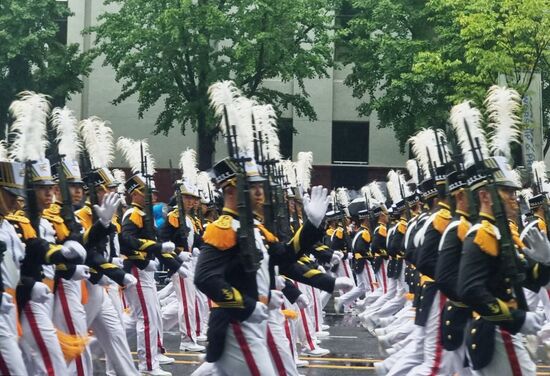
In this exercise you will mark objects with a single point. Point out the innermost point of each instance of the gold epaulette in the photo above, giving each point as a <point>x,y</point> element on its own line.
<point>220,234</point>
<point>441,220</point>
<point>366,236</point>
<point>52,217</point>
<point>463,228</point>
<point>330,231</point>
<point>17,218</point>
<point>339,233</point>
<point>137,217</point>
<point>382,230</point>
<point>514,230</point>
<point>85,216</point>
<point>486,238</point>
<point>174,218</point>
<point>54,209</point>
<point>402,226</point>
<point>268,236</point>
<point>541,225</point>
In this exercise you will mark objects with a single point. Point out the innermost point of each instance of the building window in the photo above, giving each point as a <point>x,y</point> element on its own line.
<point>61,35</point>
<point>286,134</point>
<point>343,16</point>
<point>350,142</point>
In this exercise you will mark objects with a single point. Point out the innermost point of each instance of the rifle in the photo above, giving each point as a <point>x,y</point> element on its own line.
<point>89,180</point>
<point>148,220</point>
<point>407,206</point>
<point>248,252</point>
<point>283,216</point>
<point>508,260</point>
<point>538,187</point>
<point>31,207</point>
<point>269,219</point>
<point>182,228</point>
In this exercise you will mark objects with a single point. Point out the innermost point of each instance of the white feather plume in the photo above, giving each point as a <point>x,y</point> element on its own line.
<point>304,165</point>
<point>98,140</point>
<point>131,151</point>
<point>526,193</point>
<point>376,193</point>
<point>421,144</point>
<point>120,178</point>
<point>290,172</point>
<point>188,166</point>
<point>412,167</point>
<point>65,124</point>
<point>3,151</point>
<point>342,197</point>
<point>204,184</point>
<point>243,126</point>
<point>515,175</point>
<point>222,94</point>
<point>503,105</point>
<point>393,186</point>
<point>539,171</point>
<point>265,120</point>
<point>30,112</point>
<point>460,114</point>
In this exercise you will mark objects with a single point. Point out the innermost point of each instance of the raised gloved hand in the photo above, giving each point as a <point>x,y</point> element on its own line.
<point>343,283</point>
<point>538,246</point>
<point>316,205</point>
<point>108,208</point>
<point>7,303</point>
<point>280,282</point>
<point>81,272</point>
<point>40,293</point>
<point>73,250</point>
<point>336,257</point>
<point>184,256</point>
<point>532,324</point>
<point>118,262</point>
<point>168,247</point>
<point>302,301</point>
<point>276,299</point>
<point>129,280</point>
<point>196,252</point>
<point>259,314</point>
<point>152,266</point>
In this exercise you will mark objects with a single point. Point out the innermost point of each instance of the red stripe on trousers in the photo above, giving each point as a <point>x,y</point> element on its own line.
<point>275,353</point>
<point>512,357</point>
<point>185,308</point>
<point>146,323</point>
<point>70,324</point>
<point>384,281</point>
<point>39,340</point>
<point>4,367</point>
<point>241,340</point>
<point>439,345</point>
<point>159,343</point>
<point>315,311</point>
<point>289,337</point>
<point>306,329</point>
<point>345,268</point>
<point>369,277</point>
<point>197,317</point>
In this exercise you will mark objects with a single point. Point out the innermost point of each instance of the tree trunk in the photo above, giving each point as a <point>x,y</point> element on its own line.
<point>206,142</point>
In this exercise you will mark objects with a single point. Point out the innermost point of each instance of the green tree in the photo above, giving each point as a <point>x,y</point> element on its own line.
<point>172,50</point>
<point>413,59</point>
<point>33,55</point>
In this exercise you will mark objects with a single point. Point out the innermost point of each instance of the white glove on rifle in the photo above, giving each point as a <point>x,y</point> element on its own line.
<point>129,280</point>
<point>279,282</point>
<point>259,314</point>
<point>108,208</point>
<point>104,281</point>
<point>184,256</point>
<point>196,252</point>
<point>316,205</point>
<point>336,257</point>
<point>532,324</point>
<point>538,246</point>
<point>350,255</point>
<point>72,249</point>
<point>7,303</point>
<point>343,283</point>
<point>168,247</point>
<point>81,272</point>
<point>276,300</point>
<point>118,262</point>
<point>184,270</point>
<point>152,266</point>
<point>321,269</point>
<point>40,292</point>
<point>302,301</point>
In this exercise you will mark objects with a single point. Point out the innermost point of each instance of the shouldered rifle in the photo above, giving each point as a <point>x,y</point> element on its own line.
<point>269,219</point>
<point>88,175</point>
<point>407,207</point>
<point>248,252</point>
<point>283,216</point>
<point>148,223</point>
<point>31,206</point>
<point>540,190</point>
<point>182,222</point>
<point>508,256</point>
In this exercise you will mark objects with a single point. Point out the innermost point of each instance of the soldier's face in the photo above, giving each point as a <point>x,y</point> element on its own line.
<point>510,202</point>
<point>257,196</point>
<point>8,202</point>
<point>138,198</point>
<point>44,196</point>
<point>291,205</point>
<point>77,192</point>
<point>188,203</point>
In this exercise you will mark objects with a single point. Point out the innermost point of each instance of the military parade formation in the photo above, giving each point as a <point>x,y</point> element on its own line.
<point>446,262</point>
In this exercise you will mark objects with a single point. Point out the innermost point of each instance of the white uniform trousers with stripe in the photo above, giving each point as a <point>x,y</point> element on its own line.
<point>69,316</point>
<point>186,296</point>
<point>142,301</point>
<point>41,349</point>
<point>306,319</point>
<point>11,357</point>
<point>279,345</point>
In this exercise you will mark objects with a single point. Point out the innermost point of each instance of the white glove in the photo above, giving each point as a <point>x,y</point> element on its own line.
<point>336,257</point>
<point>184,256</point>
<point>538,246</point>
<point>532,324</point>
<point>276,300</point>
<point>343,283</point>
<point>350,255</point>
<point>168,247</point>
<point>7,303</point>
<point>72,249</point>
<point>321,269</point>
<point>302,301</point>
<point>259,314</point>
<point>81,272</point>
<point>279,282</point>
<point>118,262</point>
<point>196,252</point>
<point>129,280</point>
<point>152,266</point>
<point>40,292</point>
<point>316,205</point>
<point>108,208</point>
<point>184,270</point>
<point>104,281</point>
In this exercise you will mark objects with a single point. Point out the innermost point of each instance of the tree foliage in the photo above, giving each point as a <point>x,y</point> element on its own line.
<point>33,55</point>
<point>413,59</point>
<point>172,50</point>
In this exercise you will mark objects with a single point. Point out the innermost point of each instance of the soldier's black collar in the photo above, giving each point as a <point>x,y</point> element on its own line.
<point>137,205</point>
<point>230,212</point>
<point>487,216</point>
<point>462,213</point>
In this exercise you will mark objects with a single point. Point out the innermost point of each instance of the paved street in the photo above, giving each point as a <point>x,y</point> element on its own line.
<point>353,350</point>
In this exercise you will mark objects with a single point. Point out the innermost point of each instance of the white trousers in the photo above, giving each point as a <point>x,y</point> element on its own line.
<point>11,357</point>
<point>187,305</point>
<point>279,345</point>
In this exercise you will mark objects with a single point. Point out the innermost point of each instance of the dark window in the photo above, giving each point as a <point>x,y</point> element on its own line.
<point>350,142</point>
<point>61,35</point>
<point>342,19</point>
<point>286,134</point>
